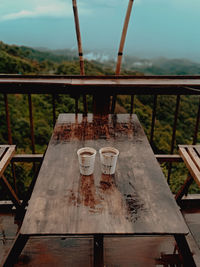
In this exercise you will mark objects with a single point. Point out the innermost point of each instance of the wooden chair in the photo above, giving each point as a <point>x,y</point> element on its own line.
<point>6,154</point>
<point>191,156</point>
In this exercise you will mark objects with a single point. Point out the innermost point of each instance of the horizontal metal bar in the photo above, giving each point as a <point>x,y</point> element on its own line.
<point>27,158</point>
<point>164,85</point>
<point>38,157</point>
<point>168,158</point>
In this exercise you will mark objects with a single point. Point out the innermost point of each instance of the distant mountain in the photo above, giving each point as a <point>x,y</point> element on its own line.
<point>27,60</point>
<point>162,66</point>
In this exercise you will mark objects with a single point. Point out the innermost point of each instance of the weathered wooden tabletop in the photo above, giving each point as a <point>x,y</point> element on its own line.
<point>136,200</point>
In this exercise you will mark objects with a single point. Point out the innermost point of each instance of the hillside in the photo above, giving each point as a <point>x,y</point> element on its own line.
<point>25,60</point>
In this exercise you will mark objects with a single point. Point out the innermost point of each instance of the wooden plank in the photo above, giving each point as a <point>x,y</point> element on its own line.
<point>2,151</point>
<point>197,148</point>
<point>195,173</point>
<point>102,80</point>
<point>194,156</point>
<point>6,159</point>
<point>89,85</point>
<point>136,200</point>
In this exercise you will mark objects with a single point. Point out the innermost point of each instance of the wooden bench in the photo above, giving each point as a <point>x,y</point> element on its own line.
<point>6,154</point>
<point>191,156</point>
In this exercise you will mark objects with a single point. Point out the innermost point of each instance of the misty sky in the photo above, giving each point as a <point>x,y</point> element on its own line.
<point>167,28</point>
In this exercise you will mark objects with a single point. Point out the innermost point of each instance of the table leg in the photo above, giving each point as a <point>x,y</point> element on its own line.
<point>11,192</point>
<point>98,251</point>
<point>184,251</point>
<point>16,249</point>
<point>184,189</point>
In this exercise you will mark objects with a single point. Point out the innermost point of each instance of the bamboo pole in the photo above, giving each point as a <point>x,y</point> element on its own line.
<point>78,35</point>
<point>123,37</point>
<point>121,48</point>
<point>80,50</point>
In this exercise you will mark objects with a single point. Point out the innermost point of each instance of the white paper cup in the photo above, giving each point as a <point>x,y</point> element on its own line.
<point>108,158</point>
<point>86,158</point>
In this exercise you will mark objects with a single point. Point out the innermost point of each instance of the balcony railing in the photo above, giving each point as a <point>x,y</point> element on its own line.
<point>105,91</point>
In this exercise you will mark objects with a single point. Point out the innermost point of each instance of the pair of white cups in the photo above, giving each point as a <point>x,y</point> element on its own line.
<point>108,158</point>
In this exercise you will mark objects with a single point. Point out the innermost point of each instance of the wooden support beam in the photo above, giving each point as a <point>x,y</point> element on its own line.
<point>184,250</point>
<point>11,192</point>
<point>14,252</point>
<point>98,251</point>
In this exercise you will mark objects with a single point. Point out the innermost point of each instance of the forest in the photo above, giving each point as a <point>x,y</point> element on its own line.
<point>24,60</point>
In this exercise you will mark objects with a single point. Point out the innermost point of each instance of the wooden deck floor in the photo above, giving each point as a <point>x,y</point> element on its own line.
<point>61,251</point>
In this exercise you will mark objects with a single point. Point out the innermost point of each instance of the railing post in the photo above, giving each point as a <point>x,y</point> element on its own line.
<point>197,125</point>
<point>54,108</point>
<point>8,119</point>
<point>31,122</point>
<point>174,134</point>
<point>10,137</point>
<point>132,103</point>
<point>153,119</point>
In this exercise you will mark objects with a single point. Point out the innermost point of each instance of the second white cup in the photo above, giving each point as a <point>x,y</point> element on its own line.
<point>108,158</point>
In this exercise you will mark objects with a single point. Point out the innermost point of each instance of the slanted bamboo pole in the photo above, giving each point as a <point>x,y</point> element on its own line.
<point>80,50</point>
<point>123,37</point>
<point>121,47</point>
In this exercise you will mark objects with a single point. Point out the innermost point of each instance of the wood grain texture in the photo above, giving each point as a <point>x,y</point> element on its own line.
<point>7,154</point>
<point>2,151</point>
<point>191,157</point>
<point>136,200</point>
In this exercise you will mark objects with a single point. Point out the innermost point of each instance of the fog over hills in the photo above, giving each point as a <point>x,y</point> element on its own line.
<point>105,60</point>
<point>154,66</point>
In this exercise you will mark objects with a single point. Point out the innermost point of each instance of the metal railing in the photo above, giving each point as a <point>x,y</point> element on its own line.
<point>78,86</point>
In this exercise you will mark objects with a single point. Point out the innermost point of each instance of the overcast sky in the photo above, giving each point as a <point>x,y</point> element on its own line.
<point>157,27</point>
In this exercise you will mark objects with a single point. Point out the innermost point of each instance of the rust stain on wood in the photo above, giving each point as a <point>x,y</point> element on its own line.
<point>87,195</point>
<point>87,192</point>
<point>134,206</point>
<point>97,129</point>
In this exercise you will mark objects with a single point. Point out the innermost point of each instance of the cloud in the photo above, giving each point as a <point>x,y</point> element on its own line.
<point>46,8</point>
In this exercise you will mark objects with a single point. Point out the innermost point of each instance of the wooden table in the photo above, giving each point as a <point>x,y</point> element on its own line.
<point>134,201</point>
